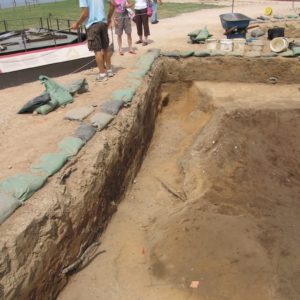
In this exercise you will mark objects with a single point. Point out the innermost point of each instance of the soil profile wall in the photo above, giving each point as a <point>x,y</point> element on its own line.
<point>46,235</point>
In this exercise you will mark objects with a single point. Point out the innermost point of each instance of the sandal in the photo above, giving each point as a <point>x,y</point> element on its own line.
<point>138,42</point>
<point>121,52</point>
<point>145,43</point>
<point>132,52</point>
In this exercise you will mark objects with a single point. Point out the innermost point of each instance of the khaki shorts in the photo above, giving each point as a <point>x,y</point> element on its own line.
<point>97,36</point>
<point>123,22</point>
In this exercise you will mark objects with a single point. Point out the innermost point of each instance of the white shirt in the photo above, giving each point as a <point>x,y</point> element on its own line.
<point>140,4</point>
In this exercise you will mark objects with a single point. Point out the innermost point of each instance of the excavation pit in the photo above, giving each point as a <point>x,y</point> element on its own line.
<point>215,200</point>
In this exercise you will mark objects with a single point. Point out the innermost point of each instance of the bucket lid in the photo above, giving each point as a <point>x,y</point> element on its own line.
<point>278,44</point>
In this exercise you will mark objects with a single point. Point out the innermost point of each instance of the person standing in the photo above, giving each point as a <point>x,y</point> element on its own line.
<point>123,23</point>
<point>96,22</point>
<point>141,19</point>
<point>154,19</point>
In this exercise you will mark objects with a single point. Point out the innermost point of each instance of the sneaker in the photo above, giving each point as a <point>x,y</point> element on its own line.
<point>110,73</point>
<point>154,22</point>
<point>101,78</point>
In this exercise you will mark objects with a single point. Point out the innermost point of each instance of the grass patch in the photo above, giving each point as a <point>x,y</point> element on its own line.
<point>168,10</point>
<point>69,9</point>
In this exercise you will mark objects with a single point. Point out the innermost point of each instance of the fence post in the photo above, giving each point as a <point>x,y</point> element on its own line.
<point>41,22</point>
<point>5,25</point>
<point>57,24</point>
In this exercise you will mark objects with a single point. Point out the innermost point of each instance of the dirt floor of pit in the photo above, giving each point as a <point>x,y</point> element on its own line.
<point>216,202</point>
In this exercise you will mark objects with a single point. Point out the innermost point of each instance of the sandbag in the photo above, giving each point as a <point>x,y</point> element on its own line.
<point>194,33</point>
<point>70,145</point>
<point>79,113</point>
<point>186,54</point>
<point>278,17</point>
<point>124,95</point>
<point>135,83</point>
<point>112,107</point>
<point>269,54</point>
<point>174,53</point>
<point>201,53</point>
<point>257,33</point>
<point>8,204</point>
<point>46,108</point>
<point>288,53</point>
<point>80,86</point>
<point>49,163</point>
<point>101,120</point>
<point>33,104</point>
<point>85,132</point>
<point>296,51</point>
<point>22,186</point>
<point>57,92</point>
<point>203,35</point>
<point>264,18</point>
<point>139,74</point>
<point>292,16</point>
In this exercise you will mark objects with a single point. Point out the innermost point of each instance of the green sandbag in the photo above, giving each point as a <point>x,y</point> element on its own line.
<point>194,33</point>
<point>46,108</point>
<point>186,54</point>
<point>203,35</point>
<point>201,53</point>
<point>22,186</point>
<point>288,53</point>
<point>80,86</point>
<point>8,205</point>
<point>124,95</point>
<point>137,74</point>
<point>174,53</point>
<point>50,163</point>
<point>278,17</point>
<point>57,92</point>
<point>135,83</point>
<point>70,145</point>
<point>292,16</point>
<point>100,120</point>
<point>296,51</point>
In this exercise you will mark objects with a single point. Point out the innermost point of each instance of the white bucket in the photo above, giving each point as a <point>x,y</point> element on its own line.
<point>258,46</point>
<point>279,44</point>
<point>226,45</point>
<point>239,44</point>
<point>211,44</point>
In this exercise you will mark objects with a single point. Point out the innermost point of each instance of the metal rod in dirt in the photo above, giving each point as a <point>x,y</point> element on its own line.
<point>232,6</point>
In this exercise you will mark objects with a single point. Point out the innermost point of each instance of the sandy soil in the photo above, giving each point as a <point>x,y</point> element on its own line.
<point>234,238</point>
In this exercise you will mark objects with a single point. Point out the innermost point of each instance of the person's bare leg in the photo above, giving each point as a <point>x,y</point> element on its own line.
<point>107,58</point>
<point>120,44</point>
<point>129,40</point>
<point>99,62</point>
<point>108,62</point>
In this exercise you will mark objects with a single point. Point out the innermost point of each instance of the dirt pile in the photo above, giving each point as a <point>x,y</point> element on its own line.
<point>237,231</point>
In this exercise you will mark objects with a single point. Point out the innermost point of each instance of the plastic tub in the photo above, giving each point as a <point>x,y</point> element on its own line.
<point>211,44</point>
<point>257,46</point>
<point>239,44</point>
<point>226,45</point>
<point>279,44</point>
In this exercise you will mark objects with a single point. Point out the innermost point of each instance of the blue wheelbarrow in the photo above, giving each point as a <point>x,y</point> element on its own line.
<point>235,25</point>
